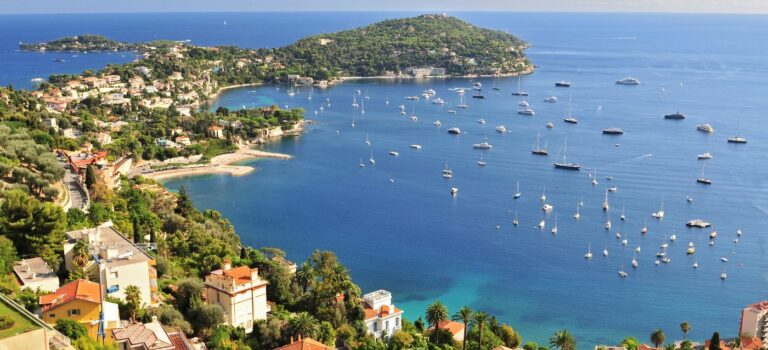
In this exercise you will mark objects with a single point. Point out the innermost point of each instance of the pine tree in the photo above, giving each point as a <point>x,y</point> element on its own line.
<point>90,176</point>
<point>184,204</point>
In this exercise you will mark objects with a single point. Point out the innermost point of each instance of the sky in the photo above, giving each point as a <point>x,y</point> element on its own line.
<point>114,6</point>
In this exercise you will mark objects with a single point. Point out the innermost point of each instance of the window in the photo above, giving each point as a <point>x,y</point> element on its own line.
<point>73,312</point>
<point>386,324</point>
<point>397,322</point>
<point>113,275</point>
<point>375,326</point>
<point>52,315</point>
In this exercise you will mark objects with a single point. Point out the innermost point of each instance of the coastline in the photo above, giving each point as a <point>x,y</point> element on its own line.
<point>221,164</point>
<point>528,71</point>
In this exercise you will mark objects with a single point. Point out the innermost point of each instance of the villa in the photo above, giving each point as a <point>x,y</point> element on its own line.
<point>382,318</point>
<point>304,344</point>
<point>79,301</point>
<point>455,328</point>
<point>754,320</point>
<point>240,292</point>
<point>150,336</point>
<point>35,274</point>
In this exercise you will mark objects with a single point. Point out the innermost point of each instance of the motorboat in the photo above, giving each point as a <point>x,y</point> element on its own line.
<point>394,153</point>
<point>675,116</point>
<point>705,128</point>
<point>454,191</point>
<point>483,145</point>
<point>737,139</point>
<point>628,81</point>
<point>417,147</point>
<point>501,128</point>
<point>526,111</point>
<point>704,156</point>
<point>551,99</point>
<point>549,125</point>
<point>563,83</point>
<point>613,131</point>
<point>455,131</point>
<point>437,123</point>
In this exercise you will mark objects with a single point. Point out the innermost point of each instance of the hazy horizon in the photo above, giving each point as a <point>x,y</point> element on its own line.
<point>181,6</point>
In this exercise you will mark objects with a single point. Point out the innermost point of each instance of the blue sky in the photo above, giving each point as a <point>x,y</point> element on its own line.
<point>91,6</point>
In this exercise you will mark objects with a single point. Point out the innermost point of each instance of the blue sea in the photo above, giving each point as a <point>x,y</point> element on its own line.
<point>395,224</point>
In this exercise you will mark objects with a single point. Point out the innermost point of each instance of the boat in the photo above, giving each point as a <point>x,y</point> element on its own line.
<point>542,224</point>
<point>515,221</point>
<point>394,153</point>
<point>605,251</point>
<point>696,264</point>
<point>549,125</point>
<point>554,228</point>
<point>705,128</point>
<point>501,128</point>
<point>478,96</point>
<point>724,259</point>
<point>613,189</point>
<point>637,250</point>
<point>723,275</point>
<point>691,249</point>
<point>563,83</point>
<point>675,116</point>
<point>414,118</point>
<point>713,235</point>
<point>634,261</point>
<point>738,232</point>
<point>370,158</point>
<point>589,252</point>
<point>362,165</point>
<point>551,99</point>
<point>737,139</point>
<point>544,193</point>
<point>438,101</point>
<point>613,131</point>
<point>451,111</point>
<point>455,131</point>
<point>454,191</point>
<point>37,80</point>
<point>483,145</point>
<point>412,98</point>
<point>477,86</point>
<point>538,150</point>
<point>519,92</point>
<point>517,194</point>
<point>606,206</point>
<point>659,214</point>
<point>437,123</point>
<point>569,118</point>
<point>622,216</point>
<point>447,172</point>
<point>608,224</point>
<point>547,207</point>
<point>628,81</point>
<point>698,223</point>
<point>523,103</point>
<point>417,147</point>
<point>673,237</point>
<point>703,156</point>
<point>594,178</point>
<point>564,164</point>
<point>481,162</point>
<point>526,111</point>
<point>578,214</point>
<point>59,60</point>
<point>462,104</point>
<point>481,121</point>
<point>701,179</point>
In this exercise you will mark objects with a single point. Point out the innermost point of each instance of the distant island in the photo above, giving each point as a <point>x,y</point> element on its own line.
<point>82,43</point>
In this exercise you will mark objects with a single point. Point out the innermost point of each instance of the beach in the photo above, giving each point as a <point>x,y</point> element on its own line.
<point>221,164</point>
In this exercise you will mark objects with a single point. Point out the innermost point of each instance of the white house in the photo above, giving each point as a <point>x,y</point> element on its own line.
<point>381,316</point>
<point>240,292</point>
<point>35,273</point>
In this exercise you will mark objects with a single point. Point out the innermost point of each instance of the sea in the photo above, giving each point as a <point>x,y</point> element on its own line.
<point>395,224</point>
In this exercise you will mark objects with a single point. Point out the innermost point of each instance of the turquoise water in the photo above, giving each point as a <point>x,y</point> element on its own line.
<point>410,237</point>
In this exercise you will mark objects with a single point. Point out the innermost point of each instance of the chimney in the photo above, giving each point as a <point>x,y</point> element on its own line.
<point>291,339</point>
<point>154,319</point>
<point>227,265</point>
<point>34,275</point>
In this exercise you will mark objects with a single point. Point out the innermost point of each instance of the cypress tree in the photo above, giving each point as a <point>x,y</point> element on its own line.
<point>714,343</point>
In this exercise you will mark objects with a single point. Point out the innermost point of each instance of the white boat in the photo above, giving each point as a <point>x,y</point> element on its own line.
<point>549,125</point>
<point>705,156</point>
<point>608,224</point>
<point>519,92</point>
<point>483,145</point>
<point>691,249</point>
<point>362,165</point>
<point>481,162</point>
<point>451,111</point>
<point>542,224</point>
<point>438,101</point>
<point>547,207</point>
<point>544,193</point>
<point>393,153</point>
<point>673,237</point>
<point>605,251</point>
<point>370,158</point>
<point>705,128</point>
<point>455,131</point>
<point>613,189</point>
<point>578,214</point>
<point>606,206</point>
<point>637,250</point>
<point>622,216</point>
<point>723,276</point>
<point>554,228</point>
<point>738,232</point>
<point>417,147</point>
<point>367,140</point>
<point>437,123</point>
<point>526,111</point>
<point>724,259</point>
<point>659,214</point>
<point>523,104</point>
<point>454,191</point>
<point>634,261</point>
<point>481,121</point>
<point>501,128</point>
<point>628,81</point>
<point>696,264</point>
<point>414,118</point>
<point>412,98</point>
<point>618,235</point>
<point>644,230</point>
<point>477,86</point>
<point>713,234</point>
<point>594,178</point>
<point>517,191</point>
<point>589,252</point>
<point>515,221</point>
<point>447,172</point>
<point>737,139</point>
<point>551,99</point>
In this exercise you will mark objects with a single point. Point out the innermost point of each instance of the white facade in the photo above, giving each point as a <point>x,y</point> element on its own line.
<point>240,292</point>
<point>754,320</point>
<point>381,316</point>
<point>35,274</point>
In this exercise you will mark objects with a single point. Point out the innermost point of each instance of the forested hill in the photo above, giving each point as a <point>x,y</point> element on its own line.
<point>394,45</point>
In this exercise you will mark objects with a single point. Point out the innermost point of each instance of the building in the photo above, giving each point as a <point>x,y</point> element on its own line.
<point>120,262</point>
<point>104,138</point>
<point>28,332</point>
<point>706,345</point>
<point>381,316</point>
<point>751,343</point>
<point>240,292</point>
<point>35,274</point>
<point>183,140</point>
<point>304,344</point>
<point>455,328</point>
<point>80,301</point>
<point>609,347</point>
<point>216,132</point>
<point>754,320</point>
<point>150,336</point>
<point>427,71</point>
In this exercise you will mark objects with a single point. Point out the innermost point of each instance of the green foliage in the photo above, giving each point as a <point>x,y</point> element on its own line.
<point>72,329</point>
<point>204,317</point>
<point>6,322</point>
<point>714,342</point>
<point>401,340</point>
<point>326,334</point>
<point>657,337</point>
<point>436,313</point>
<point>7,255</point>
<point>304,325</point>
<point>35,228</point>
<point>562,340</point>
<point>630,343</point>
<point>228,337</point>
<point>184,206</point>
<point>529,345</point>
<point>88,343</point>
<point>685,327</point>
<point>27,163</point>
<point>269,333</point>
<point>133,299</point>
<point>509,336</point>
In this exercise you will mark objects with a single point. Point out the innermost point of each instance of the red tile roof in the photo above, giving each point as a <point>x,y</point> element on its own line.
<point>79,289</point>
<point>452,326</point>
<point>762,305</point>
<point>751,343</point>
<point>305,344</point>
<point>384,311</point>
<point>241,274</point>
<point>706,345</point>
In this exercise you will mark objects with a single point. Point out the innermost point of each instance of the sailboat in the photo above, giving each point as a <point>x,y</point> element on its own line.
<point>362,165</point>
<point>737,139</point>
<point>622,274</point>
<point>481,162</point>
<point>564,164</point>
<point>605,251</point>
<point>519,92</point>
<point>367,141</point>
<point>702,179</point>
<point>310,94</point>
<point>723,275</point>
<point>544,193</point>
<point>589,252</point>
<point>569,118</point>
<point>362,107</point>
<point>515,221</point>
<point>517,191</point>
<point>659,214</point>
<point>577,215</point>
<point>554,228</point>
<point>594,178</point>
<point>353,122</point>
<point>462,104</point>
<point>354,101</point>
<point>605,202</point>
<point>370,159</point>
<point>622,217</point>
<point>634,261</point>
<point>644,230</point>
<point>447,172</point>
<point>538,150</point>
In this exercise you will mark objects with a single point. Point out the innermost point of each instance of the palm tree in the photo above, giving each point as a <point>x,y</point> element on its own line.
<point>80,255</point>
<point>480,318</point>
<point>465,316</point>
<point>133,299</point>
<point>305,275</point>
<point>657,337</point>
<point>629,343</point>
<point>436,313</point>
<point>670,346</point>
<point>304,325</point>
<point>562,340</point>
<point>685,327</point>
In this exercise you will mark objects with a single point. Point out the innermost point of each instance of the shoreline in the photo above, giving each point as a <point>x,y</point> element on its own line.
<point>469,76</point>
<point>221,164</point>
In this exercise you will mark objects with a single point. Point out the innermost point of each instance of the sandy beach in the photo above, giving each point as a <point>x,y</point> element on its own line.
<point>221,164</point>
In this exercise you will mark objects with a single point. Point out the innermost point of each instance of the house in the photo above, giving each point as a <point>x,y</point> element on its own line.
<point>27,331</point>
<point>754,320</point>
<point>183,140</point>
<point>287,264</point>
<point>150,336</point>
<point>325,41</point>
<point>609,347</point>
<point>304,344</point>
<point>104,138</point>
<point>35,274</point>
<point>51,123</point>
<point>381,316</point>
<point>216,132</point>
<point>122,262</point>
<point>455,328</point>
<point>80,301</point>
<point>111,79</point>
<point>94,82</point>
<point>427,71</point>
<point>751,343</point>
<point>240,292</point>
<point>176,76</point>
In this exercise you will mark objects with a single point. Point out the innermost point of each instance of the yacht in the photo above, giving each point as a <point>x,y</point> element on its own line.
<point>691,249</point>
<point>659,214</point>
<point>538,150</point>
<point>416,147</point>
<point>696,264</point>
<point>563,83</point>
<point>698,223</point>
<point>437,123</point>
<point>551,99</point>
<point>523,103</point>
<point>628,81</point>
<point>723,275</point>
<point>371,160</point>
<point>606,206</point>
<point>737,139</point>
<point>454,191</point>
<point>517,191</point>
<point>438,101</point>
<point>705,156</point>
<point>613,131</point>
<point>701,179</point>
<point>519,92</point>
<point>526,111</point>
<point>547,207</point>
<point>589,252</point>
<point>501,128</point>
<point>673,237</point>
<point>451,111</point>
<point>564,164</point>
<point>675,116</point>
<point>724,259</point>
<point>394,153</point>
<point>549,125</point>
<point>477,86</point>
<point>412,98</point>
<point>705,128</point>
<point>414,118</point>
<point>455,131</point>
<point>738,232</point>
<point>571,120</point>
<point>713,235</point>
<point>622,217</point>
<point>447,173</point>
<point>613,189</point>
<point>483,145</point>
